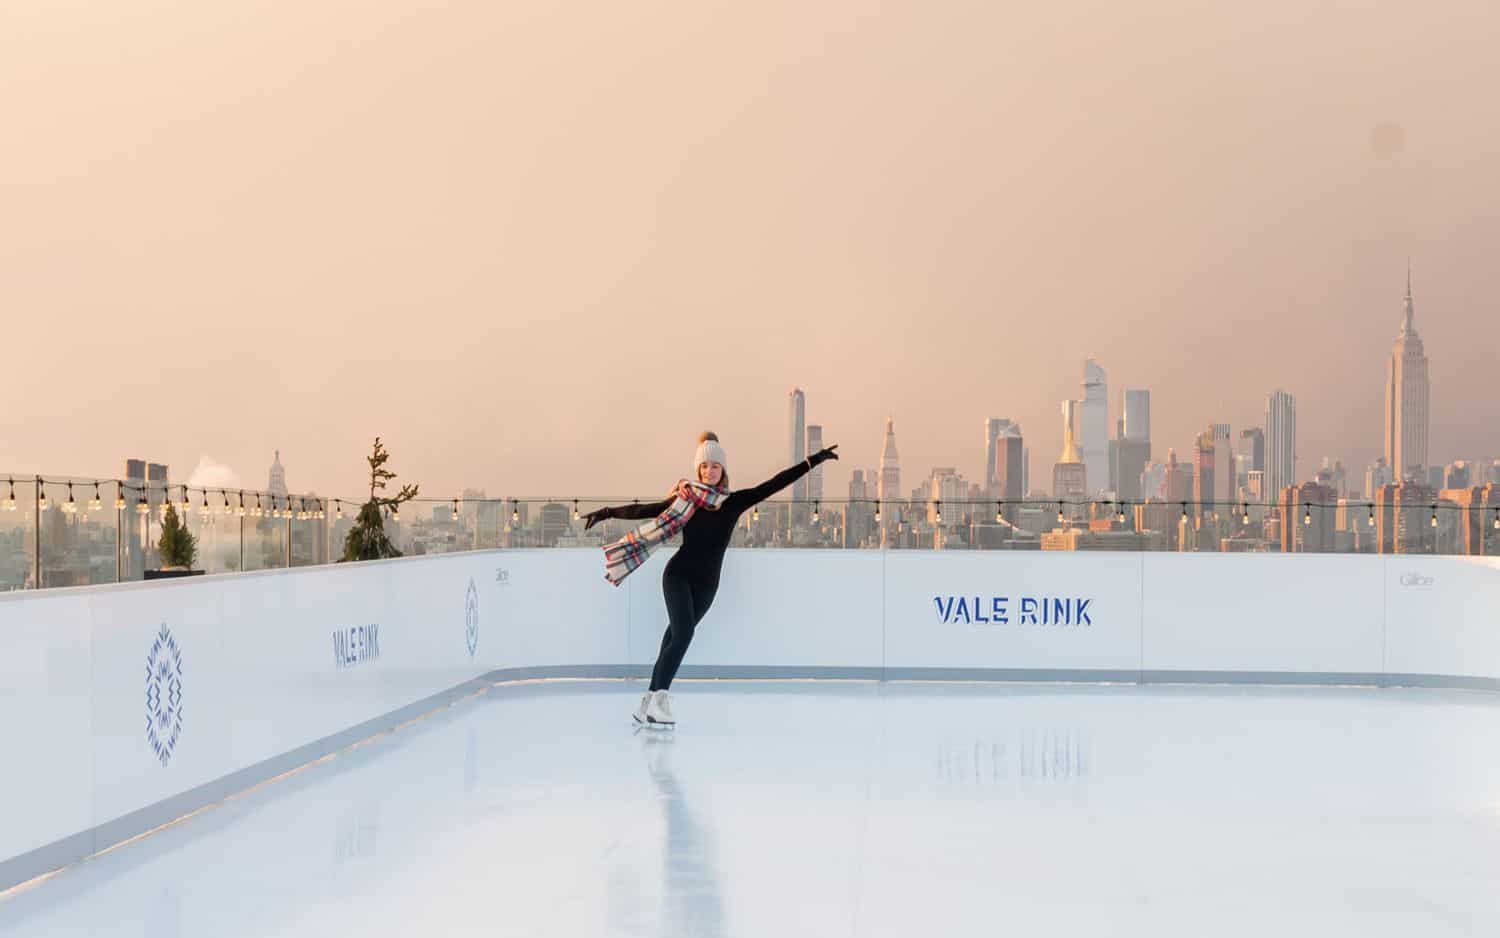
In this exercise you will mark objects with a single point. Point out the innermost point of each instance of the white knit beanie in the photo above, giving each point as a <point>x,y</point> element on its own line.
<point>709,451</point>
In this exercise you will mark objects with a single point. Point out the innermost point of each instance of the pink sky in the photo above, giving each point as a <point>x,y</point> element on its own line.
<point>538,246</point>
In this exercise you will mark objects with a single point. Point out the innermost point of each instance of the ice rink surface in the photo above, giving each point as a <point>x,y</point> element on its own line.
<point>860,809</point>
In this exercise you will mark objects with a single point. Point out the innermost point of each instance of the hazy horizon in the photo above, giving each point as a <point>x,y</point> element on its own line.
<point>537,249</point>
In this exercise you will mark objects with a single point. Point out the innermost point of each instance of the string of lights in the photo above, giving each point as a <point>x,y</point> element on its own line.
<point>236,502</point>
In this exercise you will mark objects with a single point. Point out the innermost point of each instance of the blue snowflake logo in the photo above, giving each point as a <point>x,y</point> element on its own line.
<point>164,695</point>
<point>471,617</point>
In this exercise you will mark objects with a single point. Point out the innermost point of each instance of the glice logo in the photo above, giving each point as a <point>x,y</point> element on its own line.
<point>164,695</point>
<point>471,617</point>
<point>1417,581</point>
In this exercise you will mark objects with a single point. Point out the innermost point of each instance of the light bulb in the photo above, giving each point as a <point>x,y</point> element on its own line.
<point>10,500</point>
<point>939,512</point>
<point>187,506</point>
<point>340,509</point>
<point>575,509</point>
<point>42,502</point>
<point>455,511</point>
<point>815,512</point>
<point>395,513</point>
<point>515,513</point>
<point>97,503</point>
<point>1434,517</point>
<point>755,513</point>
<point>1306,515</point>
<point>1245,514</point>
<point>119,496</point>
<point>1372,518</point>
<point>227,509</point>
<point>141,505</point>
<point>1497,520</point>
<point>70,506</point>
<point>998,513</point>
<point>877,511</point>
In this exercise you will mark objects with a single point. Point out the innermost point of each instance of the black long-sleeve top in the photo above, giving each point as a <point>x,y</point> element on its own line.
<point>706,535</point>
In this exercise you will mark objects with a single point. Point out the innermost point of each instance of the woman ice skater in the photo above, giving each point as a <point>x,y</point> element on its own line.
<point>705,511</point>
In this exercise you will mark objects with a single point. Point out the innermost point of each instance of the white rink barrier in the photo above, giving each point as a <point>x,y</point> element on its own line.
<point>131,705</point>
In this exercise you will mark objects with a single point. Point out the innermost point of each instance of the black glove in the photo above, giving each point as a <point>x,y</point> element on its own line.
<point>596,516</point>
<point>824,454</point>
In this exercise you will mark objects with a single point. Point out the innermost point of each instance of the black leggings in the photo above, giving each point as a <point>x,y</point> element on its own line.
<point>687,604</point>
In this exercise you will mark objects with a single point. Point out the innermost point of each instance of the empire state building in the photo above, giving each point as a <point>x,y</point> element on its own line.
<point>1407,406</point>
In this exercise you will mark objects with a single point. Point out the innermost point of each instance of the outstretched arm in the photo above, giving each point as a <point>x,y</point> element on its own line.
<point>636,511</point>
<point>779,481</point>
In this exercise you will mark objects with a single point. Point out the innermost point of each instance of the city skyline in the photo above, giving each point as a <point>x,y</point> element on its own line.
<point>216,475</point>
<point>1283,456</point>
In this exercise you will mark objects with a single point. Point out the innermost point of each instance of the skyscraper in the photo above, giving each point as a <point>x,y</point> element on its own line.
<point>1407,409</point>
<point>1255,486</point>
<point>1177,480</point>
<point>815,477</point>
<point>1153,478</point>
<point>1281,443</point>
<point>797,415</point>
<point>1137,415</point>
<point>1205,472</point>
<point>1009,481</point>
<point>859,515</point>
<point>277,483</point>
<point>1070,475</point>
<point>148,481</point>
<point>1114,455</point>
<point>1093,426</point>
<point>1224,477</point>
<point>1403,512</point>
<point>1133,448</point>
<point>1308,515</point>
<point>993,428</point>
<point>890,467</point>
<point>1253,447</point>
<point>1377,475</point>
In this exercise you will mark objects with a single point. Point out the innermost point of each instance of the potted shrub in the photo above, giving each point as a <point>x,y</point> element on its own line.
<point>367,539</point>
<point>177,546</point>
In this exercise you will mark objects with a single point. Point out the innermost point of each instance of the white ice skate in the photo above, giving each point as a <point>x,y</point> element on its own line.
<point>659,710</point>
<point>642,712</point>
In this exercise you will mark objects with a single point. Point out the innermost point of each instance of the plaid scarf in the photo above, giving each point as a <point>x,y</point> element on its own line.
<point>623,556</point>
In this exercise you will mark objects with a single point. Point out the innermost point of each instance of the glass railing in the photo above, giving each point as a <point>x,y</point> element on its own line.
<point>73,532</point>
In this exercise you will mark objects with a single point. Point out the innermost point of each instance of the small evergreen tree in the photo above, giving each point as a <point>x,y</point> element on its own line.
<point>178,547</point>
<point>367,540</point>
